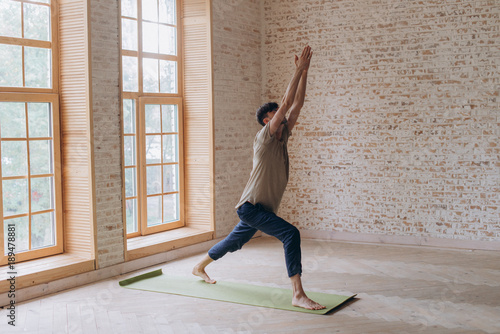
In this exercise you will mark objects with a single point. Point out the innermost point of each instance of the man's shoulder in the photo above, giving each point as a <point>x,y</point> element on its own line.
<point>263,134</point>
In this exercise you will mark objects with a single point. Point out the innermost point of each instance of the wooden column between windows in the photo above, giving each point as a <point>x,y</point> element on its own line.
<point>198,114</point>
<point>76,129</point>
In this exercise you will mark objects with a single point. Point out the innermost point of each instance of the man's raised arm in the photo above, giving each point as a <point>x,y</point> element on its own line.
<point>288,99</point>
<point>299,100</point>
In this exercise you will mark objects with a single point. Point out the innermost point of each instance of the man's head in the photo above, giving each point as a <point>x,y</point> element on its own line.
<point>262,113</point>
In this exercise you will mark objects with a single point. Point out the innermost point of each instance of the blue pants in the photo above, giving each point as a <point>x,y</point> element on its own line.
<point>253,218</point>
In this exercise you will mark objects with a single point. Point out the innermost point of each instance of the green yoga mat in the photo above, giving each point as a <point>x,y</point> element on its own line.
<point>230,292</point>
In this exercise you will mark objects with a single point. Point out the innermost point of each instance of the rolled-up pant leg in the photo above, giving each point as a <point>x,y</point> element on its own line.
<point>257,217</point>
<point>240,235</point>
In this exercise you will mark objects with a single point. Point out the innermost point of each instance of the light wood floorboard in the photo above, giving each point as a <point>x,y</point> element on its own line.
<point>400,290</point>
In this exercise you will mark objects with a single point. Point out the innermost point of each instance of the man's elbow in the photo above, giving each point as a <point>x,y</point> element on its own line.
<point>284,107</point>
<point>297,106</point>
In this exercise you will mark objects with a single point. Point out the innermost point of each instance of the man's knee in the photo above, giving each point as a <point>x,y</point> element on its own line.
<point>292,235</point>
<point>236,246</point>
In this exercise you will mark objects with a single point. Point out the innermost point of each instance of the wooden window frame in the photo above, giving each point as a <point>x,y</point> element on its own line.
<point>53,44</point>
<point>140,98</point>
<point>49,95</point>
<point>142,166</point>
<point>140,55</point>
<point>53,99</point>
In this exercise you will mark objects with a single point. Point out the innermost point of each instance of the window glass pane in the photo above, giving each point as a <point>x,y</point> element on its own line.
<point>10,18</point>
<point>129,8</point>
<point>150,75</point>
<point>153,124</point>
<point>36,22</point>
<point>129,116</point>
<point>21,233</point>
<point>129,34</point>
<point>39,119</point>
<point>15,197</point>
<point>42,230</point>
<point>153,149</point>
<point>130,182</point>
<point>150,37</point>
<point>12,120</point>
<point>168,40</point>
<point>168,76</point>
<point>11,65</point>
<point>154,210</point>
<point>170,207</point>
<point>37,67</point>
<point>170,148</point>
<point>167,11</point>
<point>131,215</point>
<point>150,10</point>
<point>14,158</point>
<point>153,176</point>
<point>169,117</point>
<point>130,74</point>
<point>129,150</point>
<point>42,194</point>
<point>40,157</point>
<point>170,177</point>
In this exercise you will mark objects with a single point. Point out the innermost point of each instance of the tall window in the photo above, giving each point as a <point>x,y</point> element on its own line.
<point>152,116</point>
<point>30,193</point>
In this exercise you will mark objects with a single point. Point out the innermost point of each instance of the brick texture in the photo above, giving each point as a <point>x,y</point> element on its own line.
<point>107,134</point>
<point>400,131</point>
<point>237,94</point>
<point>399,134</point>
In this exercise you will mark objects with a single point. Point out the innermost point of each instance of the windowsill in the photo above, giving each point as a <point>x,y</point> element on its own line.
<point>44,270</point>
<point>164,241</point>
<point>51,268</point>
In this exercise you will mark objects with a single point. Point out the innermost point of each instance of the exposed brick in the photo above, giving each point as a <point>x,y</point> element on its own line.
<point>400,130</point>
<point>107,121</point>
<point>399,133</point>
<point>237,94</point>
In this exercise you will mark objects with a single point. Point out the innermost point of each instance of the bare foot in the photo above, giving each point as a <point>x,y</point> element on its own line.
<point>197,271</point>
<point>305,302</point>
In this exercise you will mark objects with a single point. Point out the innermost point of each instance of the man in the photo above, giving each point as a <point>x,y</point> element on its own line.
<point>262,195</point>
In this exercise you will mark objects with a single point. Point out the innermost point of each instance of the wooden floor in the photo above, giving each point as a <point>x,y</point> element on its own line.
<point>400,290</point>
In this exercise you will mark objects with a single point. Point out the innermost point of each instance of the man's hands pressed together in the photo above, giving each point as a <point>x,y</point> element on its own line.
<point>305,59</point>
<point>289,100</point>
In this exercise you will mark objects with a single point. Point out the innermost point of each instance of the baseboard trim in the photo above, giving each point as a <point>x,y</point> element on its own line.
<point>401,240</point>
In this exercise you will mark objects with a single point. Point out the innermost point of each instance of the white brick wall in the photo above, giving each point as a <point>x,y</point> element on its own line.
<point>399,134</point>
<point>107,141</point>
<point>237,94</point>
<point>400,131</point>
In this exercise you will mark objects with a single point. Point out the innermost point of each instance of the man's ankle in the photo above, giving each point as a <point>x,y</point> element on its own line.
<point>299,295</point>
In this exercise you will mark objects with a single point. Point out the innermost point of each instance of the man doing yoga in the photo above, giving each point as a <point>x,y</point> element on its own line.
<point>262,195</point>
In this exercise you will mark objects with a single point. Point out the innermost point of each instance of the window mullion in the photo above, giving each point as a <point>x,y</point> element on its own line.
<point>25,42</point>
<point>22,48</point>
<point>142,168</point>
<point>29,174</point>
<point>139,44</point>
<point>2,245</point>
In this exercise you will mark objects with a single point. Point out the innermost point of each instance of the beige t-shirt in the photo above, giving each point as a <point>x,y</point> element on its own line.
<point>269,174</point>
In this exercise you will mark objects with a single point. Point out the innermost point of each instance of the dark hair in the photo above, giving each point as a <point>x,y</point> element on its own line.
<point>263,110</point>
